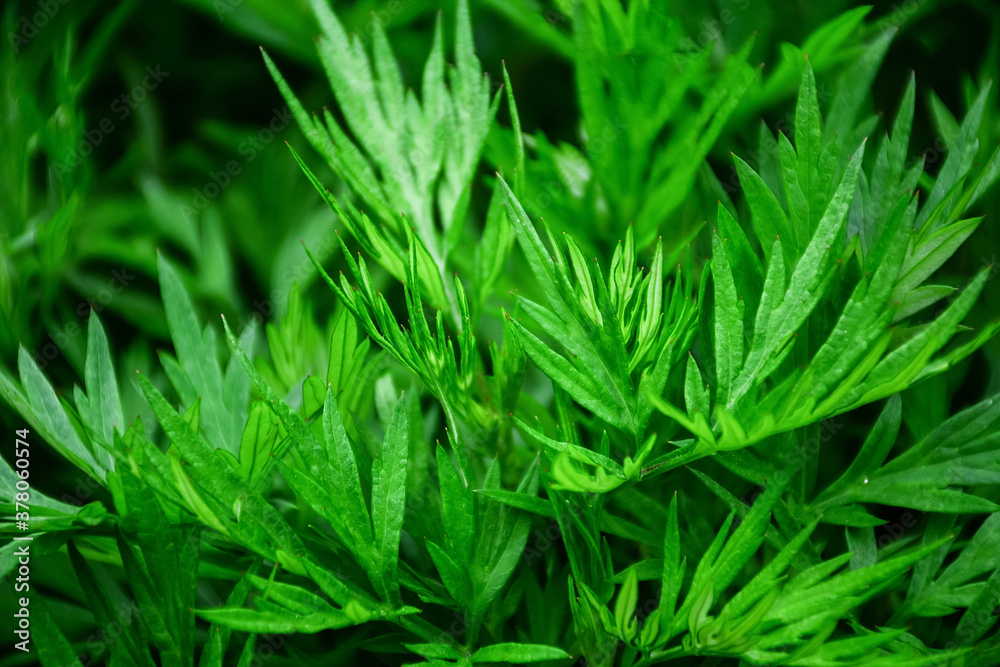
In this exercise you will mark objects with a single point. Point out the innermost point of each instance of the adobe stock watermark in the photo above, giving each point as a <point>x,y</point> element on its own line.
<point>99,642</point>
<point>891,532</point>
<point>266,646</point>
<point>757,158</point>
<point>296,273</point>
<point>547,538</point>
<point>62,336</point>
<point>973,626</point>
<point>120,624</point>
<point>711,31</point>
<point>121,108</point>
<point>578,162</point>
<point>899,14</point>
<point>796,458</point>
<point>991,267</point>
<point>249,148</point>
<point>85,488</point>
<point>29,26</point>
<point>606,652</point>
<point>380,17</point>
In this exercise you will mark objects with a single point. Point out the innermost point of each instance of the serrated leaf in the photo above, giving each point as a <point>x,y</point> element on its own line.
<point>102,387</point>
<point>389,496</point>
<point>258,441</point>
<point>196,355</point>
<point>276,622</point>
<point>52,419</point>
<point>728,334</point>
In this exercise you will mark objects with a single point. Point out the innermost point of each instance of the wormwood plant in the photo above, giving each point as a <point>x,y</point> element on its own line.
<point>634,473</point>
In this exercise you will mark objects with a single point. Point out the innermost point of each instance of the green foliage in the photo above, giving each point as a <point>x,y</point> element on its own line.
<point>425,152</point>
<point>621,327</point>
<point>634,70</point>
<point>854,350</point>
<point>762,440</point>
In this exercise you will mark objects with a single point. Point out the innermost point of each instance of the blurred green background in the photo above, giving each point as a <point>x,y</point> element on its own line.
<point>131,127</point>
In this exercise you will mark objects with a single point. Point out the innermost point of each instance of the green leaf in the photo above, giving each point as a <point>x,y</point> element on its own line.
<point>521,501</point>
<point>747,270</point>
<point>906,362</point>
<point>219,635</point>
<point>555,366</point>
<point>292,422</point>
<point>456,507</point>
<point>808,137</point>
<point>160,562</point>
<point>696,396</point>
<point>873,453</point>
<point>313,396</point>
<point>453,575</point>
<point>192,416</point>
<point>435,650</point>
<point>107,602</point>
<point>515,121</point>
<point>346,356</point>
<point>505,531</point>
<point>628,596</point>
<point>219,482</point>
<point>855,85</point>
<point>196,354</point>
<point>102,387</point>
<point>575,452</point>
<point>51,418</point>
<point>921,297</point>
<point>769,219</point>
<point>979,617</point>
<point>932,251</point>
<point>257,443</point>
<point>338,454</point>
<point>389,496</point>
<point>779,317</point>
<point>853,516</point>
<point>518,653</point>
<point>51,645</point>
<point>808,600</point>
<point>276,622</point>
<point>961,152</point>
<point>728,334</point>
<point>673,566</point>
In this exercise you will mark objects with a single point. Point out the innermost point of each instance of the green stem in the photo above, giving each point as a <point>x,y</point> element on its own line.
<point>661,656</point>
<point>682,458</point>
<point>456,445</point>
